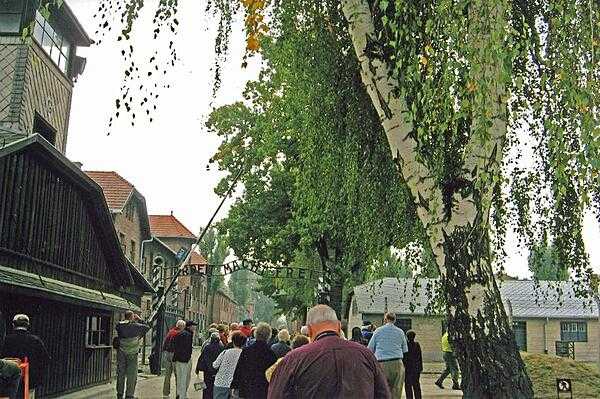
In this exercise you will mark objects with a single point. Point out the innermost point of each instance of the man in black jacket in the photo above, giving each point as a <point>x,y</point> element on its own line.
<point>10,374</point>
<point>182,358</point>
<point>22,344</point>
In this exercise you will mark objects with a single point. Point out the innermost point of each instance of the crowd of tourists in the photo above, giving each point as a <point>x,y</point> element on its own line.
<point>255,361</point>
<point>258,361</point>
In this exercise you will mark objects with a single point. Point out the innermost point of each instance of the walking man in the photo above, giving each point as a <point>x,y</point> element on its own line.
<point>389,345</point>
<point>168,349</point>
<point>451,365</point>
<point>182,357</point>
<point>330,367</point>
<point>22,344</point>
<point>129,332</point>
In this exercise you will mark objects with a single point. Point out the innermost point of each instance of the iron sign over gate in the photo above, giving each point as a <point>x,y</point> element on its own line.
<point>255,267</point>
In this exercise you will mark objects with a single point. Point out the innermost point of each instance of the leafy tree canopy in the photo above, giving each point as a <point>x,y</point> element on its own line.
<point>214,248</point>
<point>544,264</point>
<point>319,182</point>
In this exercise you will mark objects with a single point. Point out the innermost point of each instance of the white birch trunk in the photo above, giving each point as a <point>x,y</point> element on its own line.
<point>472,295</point>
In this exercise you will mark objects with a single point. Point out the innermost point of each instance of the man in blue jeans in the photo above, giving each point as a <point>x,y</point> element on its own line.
<point>389,345</point>
<point>129,332</point>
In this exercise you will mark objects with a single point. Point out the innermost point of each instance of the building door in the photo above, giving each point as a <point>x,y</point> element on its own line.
<point>520,330</point>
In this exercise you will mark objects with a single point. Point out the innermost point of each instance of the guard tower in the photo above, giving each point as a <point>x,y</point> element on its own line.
<point>37,73</point>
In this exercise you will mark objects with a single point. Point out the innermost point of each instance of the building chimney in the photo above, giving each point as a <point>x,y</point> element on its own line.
<point>171,212</point>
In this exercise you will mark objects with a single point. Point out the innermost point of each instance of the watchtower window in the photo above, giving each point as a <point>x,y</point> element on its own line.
<point>10,16</point>
<point>44,129</point>
<point>52,41</point>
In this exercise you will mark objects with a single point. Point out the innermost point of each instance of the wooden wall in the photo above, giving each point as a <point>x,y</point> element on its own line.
<point>62,327</point>
<point>46,226</point>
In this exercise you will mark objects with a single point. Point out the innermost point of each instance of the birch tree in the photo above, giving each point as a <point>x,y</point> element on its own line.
<point>457,85</point>
<point>441,74</point>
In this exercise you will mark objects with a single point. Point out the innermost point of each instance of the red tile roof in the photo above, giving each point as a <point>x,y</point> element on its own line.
<point>197,259</point>
<point>168,226</point>
<point>116,189</point>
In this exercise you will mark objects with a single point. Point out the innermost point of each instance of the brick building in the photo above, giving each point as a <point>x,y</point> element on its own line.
<point>226,309</point>
<point>192,289</point>
<point>36,76</point>
<point>542,321</point>
<point>130,219</point>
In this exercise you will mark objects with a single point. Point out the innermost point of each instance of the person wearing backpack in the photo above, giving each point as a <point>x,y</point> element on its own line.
<point>129,332</point>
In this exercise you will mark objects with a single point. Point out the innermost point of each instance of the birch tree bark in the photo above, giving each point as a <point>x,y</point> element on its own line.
<point>483,340</point>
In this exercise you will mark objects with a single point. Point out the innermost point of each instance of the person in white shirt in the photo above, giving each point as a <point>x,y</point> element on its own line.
<point>225,364</point>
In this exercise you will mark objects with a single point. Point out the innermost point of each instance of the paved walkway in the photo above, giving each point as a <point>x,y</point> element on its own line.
<point>150,387</point>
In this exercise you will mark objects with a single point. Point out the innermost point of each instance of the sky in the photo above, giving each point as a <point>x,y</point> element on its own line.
<point>166,160</point>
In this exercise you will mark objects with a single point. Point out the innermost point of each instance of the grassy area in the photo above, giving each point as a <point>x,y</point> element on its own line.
<point>544,369</point>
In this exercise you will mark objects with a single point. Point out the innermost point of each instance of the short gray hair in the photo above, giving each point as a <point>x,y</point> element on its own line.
<point>262,332</point>
<point>319,314</point>
<point>304,330</point>
<point>180,324</point>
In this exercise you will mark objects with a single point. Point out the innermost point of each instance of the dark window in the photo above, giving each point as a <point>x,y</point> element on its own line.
<point>132,252</point>
<point>404,324</point>
<point>520,330</point>
<point>10,16</point>
<point>52,41</point>
<point>575,331</point>
<point>97,331</point>
<point>44,129</point>
<point>123,244</point>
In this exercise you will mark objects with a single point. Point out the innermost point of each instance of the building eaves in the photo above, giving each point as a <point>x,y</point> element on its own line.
<point>91,192</point>
<point>79,34</point>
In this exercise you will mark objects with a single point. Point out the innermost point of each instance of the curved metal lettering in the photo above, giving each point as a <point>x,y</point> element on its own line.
<point>263,270</point>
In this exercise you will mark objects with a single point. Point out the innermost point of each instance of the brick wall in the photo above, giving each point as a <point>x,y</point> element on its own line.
<point>131,230</point>
<point>225,309</point>
<point>30,83</point>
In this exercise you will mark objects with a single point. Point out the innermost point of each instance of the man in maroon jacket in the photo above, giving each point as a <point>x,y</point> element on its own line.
<point>329,367</point>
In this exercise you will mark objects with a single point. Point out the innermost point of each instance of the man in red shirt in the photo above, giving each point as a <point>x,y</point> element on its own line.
<point>351,369</point>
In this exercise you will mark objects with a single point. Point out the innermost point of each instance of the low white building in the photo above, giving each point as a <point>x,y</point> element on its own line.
<point>543,321</point>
